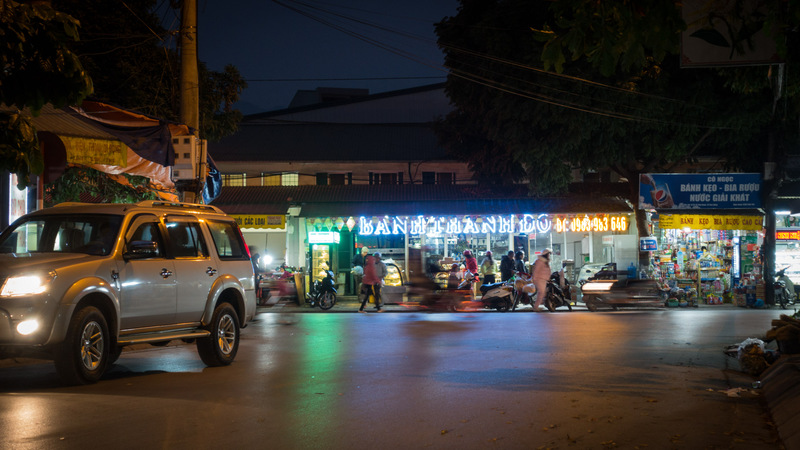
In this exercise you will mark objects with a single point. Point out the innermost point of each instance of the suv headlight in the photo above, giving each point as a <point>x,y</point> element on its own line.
<point>19,285</point>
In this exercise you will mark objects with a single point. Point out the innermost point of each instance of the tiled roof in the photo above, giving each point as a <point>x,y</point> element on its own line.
<point>405,199</point>
<point>330,142</point>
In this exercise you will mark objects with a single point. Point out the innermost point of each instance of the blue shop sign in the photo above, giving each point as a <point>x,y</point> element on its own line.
<point>648,244</point>
<point>699,191</point>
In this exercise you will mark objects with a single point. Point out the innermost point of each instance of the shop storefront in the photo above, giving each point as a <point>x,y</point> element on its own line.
<point>576,239</point>
<point>787,244</point>
<point>709,231</point>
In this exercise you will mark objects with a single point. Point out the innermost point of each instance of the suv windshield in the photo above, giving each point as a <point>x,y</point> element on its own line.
<point>94,234</point>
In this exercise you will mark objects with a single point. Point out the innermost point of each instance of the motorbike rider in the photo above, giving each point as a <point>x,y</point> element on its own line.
<point>541,273</point>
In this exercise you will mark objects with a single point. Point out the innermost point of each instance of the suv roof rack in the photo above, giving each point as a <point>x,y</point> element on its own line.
<point>195,206</point>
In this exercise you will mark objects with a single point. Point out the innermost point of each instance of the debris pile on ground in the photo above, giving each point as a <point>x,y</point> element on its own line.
<point>753,355</point>
<point>786,332</point>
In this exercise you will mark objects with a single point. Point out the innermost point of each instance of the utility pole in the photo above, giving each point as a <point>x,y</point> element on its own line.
<point>190,91</point>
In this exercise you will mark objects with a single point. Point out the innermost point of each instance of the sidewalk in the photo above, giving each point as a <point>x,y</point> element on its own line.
<point>349,303</point>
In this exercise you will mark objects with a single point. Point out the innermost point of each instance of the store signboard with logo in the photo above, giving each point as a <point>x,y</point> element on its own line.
<point>787,235</point>
<point>323,237</point>
<point>260,221</point>
<point>648,244</point>
<point>709,222</point>
<point>699,191</point>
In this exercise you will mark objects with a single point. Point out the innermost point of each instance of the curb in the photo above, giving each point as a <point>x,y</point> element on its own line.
<point>781,389</point>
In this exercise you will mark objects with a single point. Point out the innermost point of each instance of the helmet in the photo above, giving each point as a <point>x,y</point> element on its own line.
<point>364,250</point>
<point>377,254</point>
<point>467,253</point>
<point>546,252</point>
<point>454,266</point>
<point>488,253</point>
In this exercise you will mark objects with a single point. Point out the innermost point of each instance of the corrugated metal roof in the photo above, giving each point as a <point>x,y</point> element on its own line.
<point>406,199</point>
<point>330,142</point>
<point>63,122</point>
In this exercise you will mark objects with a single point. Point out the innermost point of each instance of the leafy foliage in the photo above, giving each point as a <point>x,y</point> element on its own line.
<point>80,181</point>
<point>621,101</point>
<point>131,58</point>
<point>19,148</point>
<point>37,68</point>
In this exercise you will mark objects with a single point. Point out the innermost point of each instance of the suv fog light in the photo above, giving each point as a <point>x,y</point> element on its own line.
<point>27,327</point>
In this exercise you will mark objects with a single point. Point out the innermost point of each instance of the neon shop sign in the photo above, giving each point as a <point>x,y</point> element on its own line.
<point>525,224</point>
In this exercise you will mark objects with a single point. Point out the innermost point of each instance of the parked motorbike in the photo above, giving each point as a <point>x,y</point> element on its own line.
<point>323,293</point>
<point>499,296</point>
<point>555,296</point>
<point>524,290</point>
<point>785,294</point>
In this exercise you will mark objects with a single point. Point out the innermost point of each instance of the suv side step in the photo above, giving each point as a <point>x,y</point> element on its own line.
<point>145,338</point>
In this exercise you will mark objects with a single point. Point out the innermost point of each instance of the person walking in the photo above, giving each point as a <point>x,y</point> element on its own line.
<point>541,273</point>
<point>380,273</point>
<point>368,282</point>
<point>358,268</point>
<point>487,269</point>
<point>470,262</point>
<point>507,266</point>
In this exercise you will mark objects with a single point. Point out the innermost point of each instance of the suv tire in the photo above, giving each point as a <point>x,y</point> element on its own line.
<point>83,356</point>
<point>220,348</point>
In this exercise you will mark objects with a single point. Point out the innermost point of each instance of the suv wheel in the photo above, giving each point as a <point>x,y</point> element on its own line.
<point>84,355</point>
<point>220,348</point>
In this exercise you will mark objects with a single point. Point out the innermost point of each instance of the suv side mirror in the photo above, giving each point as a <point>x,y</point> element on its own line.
<point>141,250</point>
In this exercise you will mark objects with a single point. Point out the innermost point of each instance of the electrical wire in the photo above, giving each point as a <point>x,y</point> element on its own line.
<point>504,87</point>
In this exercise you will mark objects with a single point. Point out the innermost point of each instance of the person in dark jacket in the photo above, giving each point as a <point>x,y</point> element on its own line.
<point>507,266</point>
<point>519,263</point>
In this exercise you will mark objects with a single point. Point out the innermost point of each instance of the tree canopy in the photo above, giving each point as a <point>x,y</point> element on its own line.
<point>614,96</point>
<point>38,67</point>
<point>134,64</point>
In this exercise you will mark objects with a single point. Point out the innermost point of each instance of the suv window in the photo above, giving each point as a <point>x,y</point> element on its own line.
<point>147,230</point>
<point>227,240</point>
<point>92,234</point>
<point>186,239</point>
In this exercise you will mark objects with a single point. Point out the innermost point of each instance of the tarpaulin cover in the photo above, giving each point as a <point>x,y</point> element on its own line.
<point>149,137</point>
<point>213,182</point>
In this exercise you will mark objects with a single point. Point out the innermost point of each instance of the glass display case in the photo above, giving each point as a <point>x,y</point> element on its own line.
<point>320,261</point>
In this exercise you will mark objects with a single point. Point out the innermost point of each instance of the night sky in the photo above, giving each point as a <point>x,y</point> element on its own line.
<point>266,40</point>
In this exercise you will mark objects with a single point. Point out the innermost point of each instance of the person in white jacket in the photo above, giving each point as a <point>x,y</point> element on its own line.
<point>541,273</point>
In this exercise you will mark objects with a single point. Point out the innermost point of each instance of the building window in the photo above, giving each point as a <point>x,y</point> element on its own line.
<point>290,179</point>
<point>269,179</point>
<point>428,177</point>
<point>322,178</point>
<point>336,178</point>
<point>445,178</point>
<point>386,178</point>
<point>234,179</point>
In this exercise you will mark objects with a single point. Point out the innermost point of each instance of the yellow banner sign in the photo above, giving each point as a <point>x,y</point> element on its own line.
<point>260,221</point>
<point>706,222</point>
<point>95,151</point>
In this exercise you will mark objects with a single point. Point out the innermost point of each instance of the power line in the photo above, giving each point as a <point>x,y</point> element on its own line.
<point>342,79</point>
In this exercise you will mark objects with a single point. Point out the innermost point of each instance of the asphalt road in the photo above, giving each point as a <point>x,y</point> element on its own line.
<point>630,379</point>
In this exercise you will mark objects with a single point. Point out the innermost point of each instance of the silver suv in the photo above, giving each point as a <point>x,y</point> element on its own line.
<point>79,281</point>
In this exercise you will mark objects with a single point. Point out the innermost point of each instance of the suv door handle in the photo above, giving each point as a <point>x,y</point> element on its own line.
<point>210,271</point>
<point>166,273</point>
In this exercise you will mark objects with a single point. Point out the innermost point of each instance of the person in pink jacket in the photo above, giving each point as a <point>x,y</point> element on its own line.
<point>369,280</point>
<point>541,273</point>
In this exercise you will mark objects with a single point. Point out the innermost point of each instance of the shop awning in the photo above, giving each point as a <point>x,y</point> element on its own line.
<point>407,200</point>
